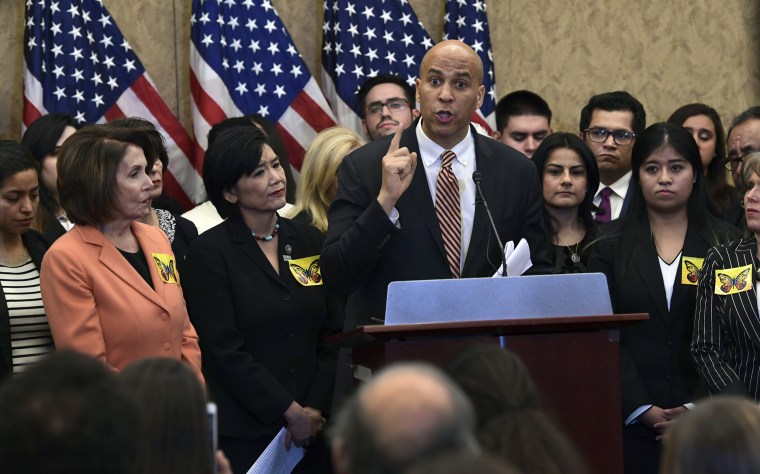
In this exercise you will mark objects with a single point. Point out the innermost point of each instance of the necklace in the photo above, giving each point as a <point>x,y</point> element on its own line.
<point>573,255</point>
<point>267,238</point>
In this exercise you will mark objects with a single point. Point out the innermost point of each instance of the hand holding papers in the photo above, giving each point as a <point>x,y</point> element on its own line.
<point>518,259</point>
<point>276,459</point>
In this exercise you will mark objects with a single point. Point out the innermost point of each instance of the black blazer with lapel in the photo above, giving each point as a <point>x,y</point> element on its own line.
<point>364,251</point>
<point>37,245</point>
<point>656,365</point>
<point>261,334</point>
<point>726,345</point>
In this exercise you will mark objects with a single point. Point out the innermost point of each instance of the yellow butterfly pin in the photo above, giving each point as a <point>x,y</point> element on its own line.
<point>306,270</point>
<point>166,267</point>
<point>733,280</point>
<point>690,270</point>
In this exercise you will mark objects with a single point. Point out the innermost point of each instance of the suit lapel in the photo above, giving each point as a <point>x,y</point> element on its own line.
<point>112,259</point>
<point>745,255</point>
<point>648,264</point>
<point>694,246</point>
<point>241,235</point>
<point>481,232</point>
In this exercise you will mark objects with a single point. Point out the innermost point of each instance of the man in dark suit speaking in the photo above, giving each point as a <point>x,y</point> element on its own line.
<point>406,208</point>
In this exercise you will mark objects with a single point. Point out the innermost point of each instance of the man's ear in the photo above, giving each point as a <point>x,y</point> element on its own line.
<point>364,127</point>
<point>496,135</point>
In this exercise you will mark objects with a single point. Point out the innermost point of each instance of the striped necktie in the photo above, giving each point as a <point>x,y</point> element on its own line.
<point>448,212</point>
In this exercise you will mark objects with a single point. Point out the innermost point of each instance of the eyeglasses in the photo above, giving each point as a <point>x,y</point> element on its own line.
<point>733,163</point>
<point>392,104</point>
<point>620,137</point>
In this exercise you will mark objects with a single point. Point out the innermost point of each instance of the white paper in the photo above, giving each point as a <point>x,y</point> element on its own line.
<point>275,459</point>
<point>518,259</point>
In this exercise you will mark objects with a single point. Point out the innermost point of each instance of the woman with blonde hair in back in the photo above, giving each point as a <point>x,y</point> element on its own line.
<point>319,182</point>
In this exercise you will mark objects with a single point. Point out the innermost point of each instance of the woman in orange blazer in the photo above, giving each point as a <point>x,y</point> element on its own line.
<point>110,286</point>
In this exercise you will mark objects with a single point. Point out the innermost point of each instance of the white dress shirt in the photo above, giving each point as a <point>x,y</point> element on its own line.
<point>619,190</point>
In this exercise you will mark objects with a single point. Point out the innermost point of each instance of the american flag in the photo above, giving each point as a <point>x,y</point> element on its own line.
<point>78,62</point>
<point>243,61</point>
<point>466,20</point>
<point>364,38</point>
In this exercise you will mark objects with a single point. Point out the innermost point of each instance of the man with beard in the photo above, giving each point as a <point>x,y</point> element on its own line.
<point>387,103</point>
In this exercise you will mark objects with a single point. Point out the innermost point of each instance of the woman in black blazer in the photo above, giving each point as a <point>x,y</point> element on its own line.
<point>726,344</point>
<point>256,297</point>
<point>652,259</point>
<point>24,331</point>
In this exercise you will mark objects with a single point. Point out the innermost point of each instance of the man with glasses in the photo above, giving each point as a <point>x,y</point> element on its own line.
<point>743,138</point>
<point>609,125</point>
<point>387,103</point>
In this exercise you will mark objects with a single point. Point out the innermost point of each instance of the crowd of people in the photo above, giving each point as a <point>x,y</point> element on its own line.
<point>123,316</point>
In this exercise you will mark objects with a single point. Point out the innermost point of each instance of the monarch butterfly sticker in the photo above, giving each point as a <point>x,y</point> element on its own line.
<point>306,270</point>
<point>691,267</point>
<point>166,267</point>
<point>730,281</point>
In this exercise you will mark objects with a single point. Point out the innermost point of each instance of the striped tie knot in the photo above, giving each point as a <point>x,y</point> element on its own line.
<point>447,159</point>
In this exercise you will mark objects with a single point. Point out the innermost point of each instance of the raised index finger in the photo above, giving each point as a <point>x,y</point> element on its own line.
<point>395,141</point>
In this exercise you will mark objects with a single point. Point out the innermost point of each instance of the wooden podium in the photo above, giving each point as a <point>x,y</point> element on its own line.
<point>574,361</point>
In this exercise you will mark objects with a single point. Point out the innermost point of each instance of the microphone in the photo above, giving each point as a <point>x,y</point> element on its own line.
<point>477,177</point>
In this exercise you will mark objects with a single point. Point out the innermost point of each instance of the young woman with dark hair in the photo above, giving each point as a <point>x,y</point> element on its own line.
<point>652,258</point>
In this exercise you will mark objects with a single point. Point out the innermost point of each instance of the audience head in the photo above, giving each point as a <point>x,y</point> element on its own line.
<point>386,102</point>
<point>743,137</point>
<point>463,463</point>
<point>156,155</point>
<point>720,435</point>
<point>19,189</point>
<point>449,90</point>
<point>704,124</point>
<point>66,414</point>
<point>44,138</point>
<point>609,125</point>
<point>174,430</point>
<point>666,155</point>
<point>319,181</point>
<point>407,412</point>
<point>523,120</point>
<point>569,173</point>
<point>510,422</point>
<point>102,177</point>
<point>241,167</point>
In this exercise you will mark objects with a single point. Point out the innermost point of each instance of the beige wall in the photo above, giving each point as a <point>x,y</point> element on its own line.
<point>665,52</point>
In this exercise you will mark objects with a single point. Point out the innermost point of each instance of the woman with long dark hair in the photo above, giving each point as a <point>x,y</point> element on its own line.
<point>24,332</point>
<point>704,124</point>
<point>570,177</point>
<point>44,138</point>
<point>652,259</point>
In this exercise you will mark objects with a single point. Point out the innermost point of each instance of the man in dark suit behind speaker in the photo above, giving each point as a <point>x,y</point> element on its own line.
<point>383,223</point>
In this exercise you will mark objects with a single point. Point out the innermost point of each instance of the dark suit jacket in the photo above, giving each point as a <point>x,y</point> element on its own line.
<point>364,251</point>
<point>726,345</point>
<point>656,365</point>
<point>626,200</point>
<point>261,333</point>
<point>37,245</point>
